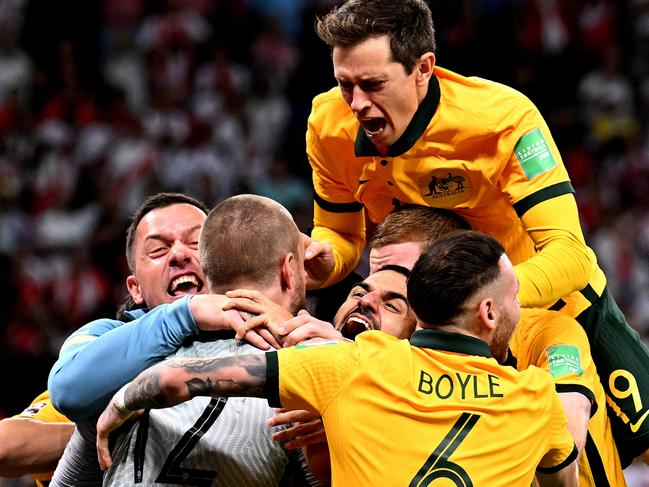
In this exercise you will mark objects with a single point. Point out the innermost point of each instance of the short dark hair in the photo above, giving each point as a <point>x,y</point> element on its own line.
<point>416,223</point>
<point>160,200</point>
<point>449,272</point>
<point>408,23</point>
<point>243,240</point>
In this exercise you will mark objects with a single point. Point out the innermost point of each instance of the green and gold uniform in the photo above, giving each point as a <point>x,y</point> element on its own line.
<point>439,406</point>
<point>482,150</point>
<point>555,342</point>
<point>41,409</point>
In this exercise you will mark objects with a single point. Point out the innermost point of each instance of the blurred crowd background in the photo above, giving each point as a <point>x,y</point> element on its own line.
<point>105,102</point>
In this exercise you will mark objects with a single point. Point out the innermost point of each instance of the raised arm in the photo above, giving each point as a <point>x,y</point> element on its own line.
<point>563,263</point>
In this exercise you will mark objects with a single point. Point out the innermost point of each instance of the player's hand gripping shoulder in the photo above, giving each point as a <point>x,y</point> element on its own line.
<point>318,262</point>
<point>210,314</point>
<point>305,327</point>
<point>262,315</point>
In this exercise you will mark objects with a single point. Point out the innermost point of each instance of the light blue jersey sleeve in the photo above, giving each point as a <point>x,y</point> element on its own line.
<point>103,355</point>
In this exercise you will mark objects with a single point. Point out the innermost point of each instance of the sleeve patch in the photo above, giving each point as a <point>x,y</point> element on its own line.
<point>564,360</point>
<point>33,409</point>
<point>533,154</point>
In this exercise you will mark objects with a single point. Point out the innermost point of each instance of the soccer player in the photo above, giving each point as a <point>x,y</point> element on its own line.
<point>443,394</point>
<point>378,302</point>
<point>96,360</point>
<point>224,440</point>
<point>400,129</point>
<point>547,339</point>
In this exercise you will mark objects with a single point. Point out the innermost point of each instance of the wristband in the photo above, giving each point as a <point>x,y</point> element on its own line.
<point>118,400</point>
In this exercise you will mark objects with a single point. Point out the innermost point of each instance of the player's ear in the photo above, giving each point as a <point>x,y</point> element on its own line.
<point>133,287</point>
<point>287,271</point>
<point>424,68</point>
<point>488,314</point>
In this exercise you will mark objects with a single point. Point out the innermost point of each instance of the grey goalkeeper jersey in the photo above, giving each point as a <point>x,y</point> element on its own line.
<point>202,442</point>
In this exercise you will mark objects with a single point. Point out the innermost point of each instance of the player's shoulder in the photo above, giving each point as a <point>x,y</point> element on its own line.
<point>536,379</point>
<point>488,103</point>
<point>330,97</point>
<point>41,408</point>
<point>330,106</point>
<point>540,320</point>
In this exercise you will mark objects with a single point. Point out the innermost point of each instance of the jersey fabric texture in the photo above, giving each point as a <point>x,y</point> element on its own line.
<point>79,467</point>
<point>482,150</point>
<point>557,343</point>
<point>41,409</point>
<point>440,400</point>
<point>204,441</point>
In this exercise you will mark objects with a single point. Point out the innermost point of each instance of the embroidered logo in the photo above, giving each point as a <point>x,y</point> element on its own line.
<point>564,360</point>
<point>533,154</point>
<point>444,188</point>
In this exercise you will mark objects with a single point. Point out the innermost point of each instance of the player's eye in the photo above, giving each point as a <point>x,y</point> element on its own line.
<point>157,251</point>
<point>392,307</point>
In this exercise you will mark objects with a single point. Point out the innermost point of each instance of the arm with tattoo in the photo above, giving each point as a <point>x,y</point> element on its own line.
<point>177,380</point>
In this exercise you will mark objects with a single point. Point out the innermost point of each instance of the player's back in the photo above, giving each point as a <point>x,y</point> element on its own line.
<point>205,441</point>
<point>440,409</point>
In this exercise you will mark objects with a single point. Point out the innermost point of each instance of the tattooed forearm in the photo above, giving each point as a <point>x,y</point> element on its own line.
<point>174,381</point>
<point>230,376</point>
<point>145,392</point>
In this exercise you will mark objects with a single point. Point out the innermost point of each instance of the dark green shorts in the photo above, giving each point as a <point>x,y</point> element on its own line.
<point>622,361</point>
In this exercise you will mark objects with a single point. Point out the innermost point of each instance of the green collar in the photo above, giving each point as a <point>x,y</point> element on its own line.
<point>364,147</point>
<point>450,342</point>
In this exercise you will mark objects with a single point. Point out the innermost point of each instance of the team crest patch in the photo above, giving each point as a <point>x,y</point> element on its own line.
<point>564,360</point>
<point>533,153</point>
<point>445,189</point>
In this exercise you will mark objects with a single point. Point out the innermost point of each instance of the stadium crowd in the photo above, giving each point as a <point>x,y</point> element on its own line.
<point>104,103</point>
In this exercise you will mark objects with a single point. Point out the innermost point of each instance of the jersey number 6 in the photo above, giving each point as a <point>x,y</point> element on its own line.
<point>438,466</point>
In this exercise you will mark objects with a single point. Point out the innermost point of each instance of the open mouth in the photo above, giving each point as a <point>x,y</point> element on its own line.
<point>355,325</point>
<point>183,285</point>
<point>373,126</point>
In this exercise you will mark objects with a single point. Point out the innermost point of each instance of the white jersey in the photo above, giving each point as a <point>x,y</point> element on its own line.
<point>202,442</point>
<point>79,467</point>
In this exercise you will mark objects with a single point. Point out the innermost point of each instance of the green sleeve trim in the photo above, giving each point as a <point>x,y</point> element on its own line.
<point>595,462</point>
<point>590,294</point>
<point>521,207</point>
<point>337,207</point>
<point>571,458</point>
<point>272,379</point>
<point>558,305</point>
<point>581,390</point>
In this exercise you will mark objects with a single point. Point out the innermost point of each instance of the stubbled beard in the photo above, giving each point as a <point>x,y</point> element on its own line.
<point>297,303</point>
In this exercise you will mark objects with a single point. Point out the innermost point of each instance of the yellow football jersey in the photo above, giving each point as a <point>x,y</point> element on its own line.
<point>478,148</point>
<point>437,407</point>
<point>558,344</point>
<point>41,408</point>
